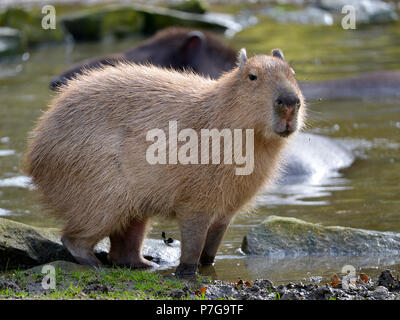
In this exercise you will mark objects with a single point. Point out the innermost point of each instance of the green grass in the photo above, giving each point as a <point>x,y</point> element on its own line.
<point>112,283</point>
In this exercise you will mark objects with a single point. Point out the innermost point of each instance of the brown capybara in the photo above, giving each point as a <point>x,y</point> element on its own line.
<point>88,154</point>
<point>176,48</point>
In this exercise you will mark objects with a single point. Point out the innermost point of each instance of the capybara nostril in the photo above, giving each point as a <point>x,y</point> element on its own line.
<point>287,100</point>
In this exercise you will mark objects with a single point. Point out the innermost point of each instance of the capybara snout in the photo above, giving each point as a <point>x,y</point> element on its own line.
<point>89,155</point>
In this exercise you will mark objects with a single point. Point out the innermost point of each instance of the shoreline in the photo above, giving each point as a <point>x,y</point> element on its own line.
<point>73,281</point>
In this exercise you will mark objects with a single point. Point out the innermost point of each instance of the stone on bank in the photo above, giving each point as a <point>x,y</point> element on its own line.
<point>282,236</point>
<point>24,246</point>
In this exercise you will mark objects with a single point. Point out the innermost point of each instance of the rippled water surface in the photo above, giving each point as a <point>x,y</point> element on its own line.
<point>365,194</point>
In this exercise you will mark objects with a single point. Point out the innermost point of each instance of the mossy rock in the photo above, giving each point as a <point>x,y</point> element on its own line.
<point>192,6</point>
<point>93,25</point>
<point>158,18</point>
<point>84,26</point>
<point>23,246</point>
<point>282,236</point>
<point>29,23</point>
<point>121,21</point>
<point>10,42</point>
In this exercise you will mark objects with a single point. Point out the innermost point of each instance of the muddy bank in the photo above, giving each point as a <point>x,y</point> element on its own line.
<point>385,287</point>
<point>78,282</point>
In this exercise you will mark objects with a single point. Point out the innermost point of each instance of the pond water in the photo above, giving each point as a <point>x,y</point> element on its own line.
<point>364,195</point>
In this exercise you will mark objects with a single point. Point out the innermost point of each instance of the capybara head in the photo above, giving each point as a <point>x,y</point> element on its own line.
<point>269,88</point>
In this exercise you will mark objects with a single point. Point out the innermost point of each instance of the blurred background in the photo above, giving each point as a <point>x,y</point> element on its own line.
<point>348,177</point>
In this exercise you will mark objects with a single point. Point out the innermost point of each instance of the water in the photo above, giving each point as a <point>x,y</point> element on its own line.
<point>364,194</point>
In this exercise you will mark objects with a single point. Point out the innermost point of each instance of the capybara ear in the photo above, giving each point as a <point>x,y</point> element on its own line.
<point>194,42</point>
<point>277,53</point>
<point>242,58</point>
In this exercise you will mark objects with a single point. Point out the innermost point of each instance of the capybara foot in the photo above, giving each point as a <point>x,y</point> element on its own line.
<point>206,260</point>
<point>134,264</point>
<point>185,269</point>
<point>81,254</point>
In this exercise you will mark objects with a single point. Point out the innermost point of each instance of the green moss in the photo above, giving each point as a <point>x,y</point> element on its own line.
<point>30,25</point>
<point>192,6</point>
<point>121,23</point>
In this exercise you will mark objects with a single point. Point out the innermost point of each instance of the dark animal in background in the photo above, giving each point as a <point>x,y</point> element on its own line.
<point>207,54</point>
<point>176,48</point>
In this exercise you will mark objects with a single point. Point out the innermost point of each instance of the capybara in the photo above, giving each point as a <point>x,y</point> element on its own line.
<point>207,54</point>
<point>174,47</point>
<point>88,153</point>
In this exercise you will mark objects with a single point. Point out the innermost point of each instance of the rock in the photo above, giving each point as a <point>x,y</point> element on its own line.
<point>386,280</point>
<point>323,293</point>
<point>192,6</point>
<point>94,24</point>
<point>367,11</point>
<point>23,246</point>
<point>120,21</point>
<point>159,18</point>
<point>281,237</point>
<point>10,42</point>
<point>380,293</point>
<point>309,15</point>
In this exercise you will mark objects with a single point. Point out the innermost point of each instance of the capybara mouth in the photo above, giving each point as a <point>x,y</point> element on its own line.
<point>285,133</point>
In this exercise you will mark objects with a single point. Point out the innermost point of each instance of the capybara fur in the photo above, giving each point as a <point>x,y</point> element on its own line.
<point>87,155</point>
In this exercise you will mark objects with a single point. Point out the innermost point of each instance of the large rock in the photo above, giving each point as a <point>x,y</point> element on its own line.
<point>192,6</point>
<point>94,24</point>
<point>23,246</point>
<point>119,21</point>
<point>281,236</point>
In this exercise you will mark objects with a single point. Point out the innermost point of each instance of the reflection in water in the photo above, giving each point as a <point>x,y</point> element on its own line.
<point>311,171</point>
<point>4,212</point>
<point>18,181</point>
<point>297,268</point>
<point>297,194</point>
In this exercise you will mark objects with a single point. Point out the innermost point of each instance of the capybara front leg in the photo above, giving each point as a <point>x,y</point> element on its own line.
<point>193,236</point>
<point>126,247</point>
<point>81,250</point>
<point>214,237</point>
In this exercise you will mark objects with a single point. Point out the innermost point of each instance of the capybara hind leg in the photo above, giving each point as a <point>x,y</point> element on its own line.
<point>81,251</point>
<point>214,237</point>
<point>126,248</point>
<point>193,235</point>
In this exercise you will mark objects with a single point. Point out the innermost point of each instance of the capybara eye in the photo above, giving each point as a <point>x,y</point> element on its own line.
<point>298,103</point>
<point>252,77</point>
